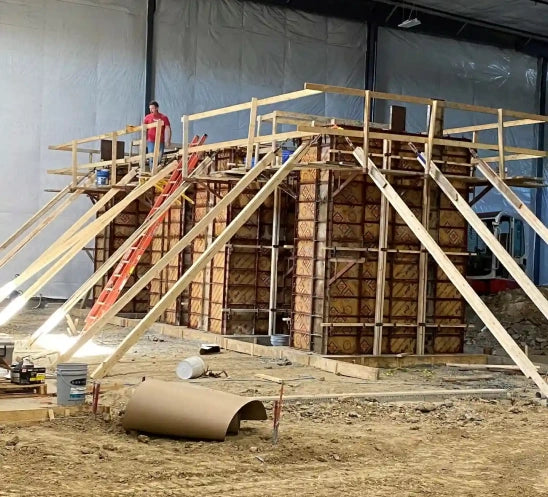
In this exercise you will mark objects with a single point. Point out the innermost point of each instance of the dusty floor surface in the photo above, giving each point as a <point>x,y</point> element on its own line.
<point>353,447</point>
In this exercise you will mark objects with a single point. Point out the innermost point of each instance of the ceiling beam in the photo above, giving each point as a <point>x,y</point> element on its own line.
<point>388,13</point>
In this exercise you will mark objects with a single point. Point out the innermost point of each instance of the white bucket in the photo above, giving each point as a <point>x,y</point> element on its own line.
<point>192,367</point>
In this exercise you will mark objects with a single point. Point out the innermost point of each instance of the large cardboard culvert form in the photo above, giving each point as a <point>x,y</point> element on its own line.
<point>188,411</point>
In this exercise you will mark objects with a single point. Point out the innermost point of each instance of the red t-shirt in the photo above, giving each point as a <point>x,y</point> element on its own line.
<point>151,133</point>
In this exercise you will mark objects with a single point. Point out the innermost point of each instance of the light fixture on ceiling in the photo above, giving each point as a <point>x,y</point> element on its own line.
<point>410,22</point>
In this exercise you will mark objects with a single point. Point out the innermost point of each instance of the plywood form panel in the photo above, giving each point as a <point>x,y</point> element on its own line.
<point>354,222</point>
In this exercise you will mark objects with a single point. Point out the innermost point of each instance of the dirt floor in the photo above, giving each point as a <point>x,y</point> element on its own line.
<point>453,447</point>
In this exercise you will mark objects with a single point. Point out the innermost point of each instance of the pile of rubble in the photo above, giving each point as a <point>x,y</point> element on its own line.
<point>519,316</point>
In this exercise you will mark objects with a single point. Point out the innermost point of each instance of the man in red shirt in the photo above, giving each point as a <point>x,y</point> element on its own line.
<point>165,134</point>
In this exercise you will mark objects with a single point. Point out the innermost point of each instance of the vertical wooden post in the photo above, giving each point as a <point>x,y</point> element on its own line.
<point>423,257</point>
<point>274,132</point>
<point>74,163</point>
<point>113,177</point>
<point>500,129</point>
<point>272,311</point>
<point>251,133</point>
<point>454,275</point>
<point>184,159</point>
<point>382,255</point>
<point>258,145</point>
<point>366,119</point>
<point>156,155</point>
<point>143,148</point>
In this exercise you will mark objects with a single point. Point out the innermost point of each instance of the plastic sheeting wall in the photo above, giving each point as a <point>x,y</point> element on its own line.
<point>215,53</point>
<point>422,65</point>
<point>70,69</point>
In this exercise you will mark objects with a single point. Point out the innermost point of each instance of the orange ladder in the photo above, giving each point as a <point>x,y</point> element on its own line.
<point>131,258</point>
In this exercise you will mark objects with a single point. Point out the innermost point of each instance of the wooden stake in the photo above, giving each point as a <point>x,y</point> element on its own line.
<point>454,274</point>
<point>202,261</point>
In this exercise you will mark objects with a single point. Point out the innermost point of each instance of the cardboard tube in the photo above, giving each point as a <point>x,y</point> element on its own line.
<point>188,411</point>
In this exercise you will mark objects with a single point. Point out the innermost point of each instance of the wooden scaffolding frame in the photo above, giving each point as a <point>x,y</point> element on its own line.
<point>310,126</point>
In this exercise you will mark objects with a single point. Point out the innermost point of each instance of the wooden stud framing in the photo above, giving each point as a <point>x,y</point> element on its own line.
<point>454,275</point>
<point>484,127</point>
<point>43,224</point>
<point>247,105</point>
<point>196,230</point>
<point>189,275</point>
<point>114,258</point>
<point>71,235</point>
<point>89,232</point>
<point>423,257</point>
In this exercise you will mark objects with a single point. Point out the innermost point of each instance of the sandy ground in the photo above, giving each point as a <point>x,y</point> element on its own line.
<point>356,447</point>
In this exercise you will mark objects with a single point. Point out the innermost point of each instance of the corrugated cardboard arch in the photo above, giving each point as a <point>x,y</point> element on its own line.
<point>188,411</point>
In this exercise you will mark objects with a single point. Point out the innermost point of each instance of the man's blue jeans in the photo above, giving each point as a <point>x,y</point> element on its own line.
<point>150,149</point>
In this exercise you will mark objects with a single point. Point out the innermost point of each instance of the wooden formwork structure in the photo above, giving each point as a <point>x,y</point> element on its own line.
<point>372,161</point>
<point>344,295</point>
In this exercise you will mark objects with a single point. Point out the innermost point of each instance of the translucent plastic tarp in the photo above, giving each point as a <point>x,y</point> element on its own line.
<point>524,15</point>
<point>215,53</point>
<point>70,69</point>
<point>422,65</point>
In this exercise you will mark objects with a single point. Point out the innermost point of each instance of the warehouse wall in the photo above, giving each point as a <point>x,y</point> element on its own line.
<point>213,53</point>
<point>70,68</point>
<point>74,68</point>
<point>427,66</point>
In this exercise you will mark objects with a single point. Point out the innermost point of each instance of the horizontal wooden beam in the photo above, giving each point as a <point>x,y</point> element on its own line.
<point>424,101</point>
<point>484,127</point>
<point>318,130</point>
<point>284,97</point>
<point>105,136</point>
<point>244,141</point>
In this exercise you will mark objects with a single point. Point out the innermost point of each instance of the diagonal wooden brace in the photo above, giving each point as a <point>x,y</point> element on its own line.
<point>454,275</point>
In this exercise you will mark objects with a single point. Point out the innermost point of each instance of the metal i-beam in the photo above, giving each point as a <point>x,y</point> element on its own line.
<point>185,280</point>
<point>60,313</point>
<point>184,242</point>
<point>530,289</point>
<point>479,307</point>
